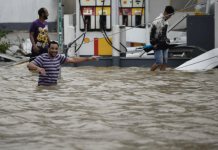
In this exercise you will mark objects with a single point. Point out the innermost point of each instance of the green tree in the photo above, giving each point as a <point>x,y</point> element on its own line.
<point>3,44</point>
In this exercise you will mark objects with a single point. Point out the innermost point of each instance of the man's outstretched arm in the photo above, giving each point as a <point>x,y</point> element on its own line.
<point>81,59</point>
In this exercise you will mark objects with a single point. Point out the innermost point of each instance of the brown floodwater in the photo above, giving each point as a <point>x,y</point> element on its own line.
<point>109,108</point>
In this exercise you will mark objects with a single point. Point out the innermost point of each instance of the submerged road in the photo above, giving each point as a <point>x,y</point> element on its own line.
<point>109,108</point>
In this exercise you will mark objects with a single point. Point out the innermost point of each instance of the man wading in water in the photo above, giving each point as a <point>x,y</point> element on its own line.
<point>159,40</point>
<point>48,64</point>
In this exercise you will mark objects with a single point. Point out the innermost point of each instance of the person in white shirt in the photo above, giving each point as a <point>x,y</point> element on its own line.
<point>159,40</point>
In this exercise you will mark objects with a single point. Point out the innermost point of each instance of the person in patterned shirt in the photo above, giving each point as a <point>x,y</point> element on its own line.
<point>38,34</point>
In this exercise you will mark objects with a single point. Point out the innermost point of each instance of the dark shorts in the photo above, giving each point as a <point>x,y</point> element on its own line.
<point>34,54</point>
<point>161,56</point>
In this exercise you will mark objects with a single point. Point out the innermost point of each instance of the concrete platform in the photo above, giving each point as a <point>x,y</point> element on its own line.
<point>128,62</point>
<point>8,57</point>
<point>18,37</point>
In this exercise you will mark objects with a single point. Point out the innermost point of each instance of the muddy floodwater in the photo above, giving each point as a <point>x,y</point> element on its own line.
<point>109,108</point>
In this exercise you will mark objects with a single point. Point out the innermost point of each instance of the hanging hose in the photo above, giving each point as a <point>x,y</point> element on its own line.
<point>143,6</point>
<point>80,7</point>
<point>109,41</point>
<point>103,30</point>
<point>82,35</point>
<point>85,26</point>
<point>71,43</point>
<point>122,15</point>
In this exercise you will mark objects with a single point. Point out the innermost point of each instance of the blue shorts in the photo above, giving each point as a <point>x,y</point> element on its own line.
<point>161,56</point>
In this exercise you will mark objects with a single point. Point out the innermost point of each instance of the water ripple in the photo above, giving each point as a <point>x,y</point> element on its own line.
<point>99,108</point>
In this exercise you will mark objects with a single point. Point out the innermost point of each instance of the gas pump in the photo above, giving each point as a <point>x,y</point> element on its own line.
<point>87,11</point>
<point>103,15</point>
<point>138,15</point>
<point>89,18</point>
<point>95,15</point>
<point>93,18</point>
<point>132,13</point>
<point>125,12</point>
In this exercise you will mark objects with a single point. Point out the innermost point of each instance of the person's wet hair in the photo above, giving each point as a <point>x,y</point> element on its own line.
<point>53,42</point>
<point>41,11</point>
<point>169,10</point>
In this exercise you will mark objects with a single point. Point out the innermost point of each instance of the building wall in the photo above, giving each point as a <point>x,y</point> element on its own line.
<point>157,7</point>
<point>69,6</point>
<point>18,14</point>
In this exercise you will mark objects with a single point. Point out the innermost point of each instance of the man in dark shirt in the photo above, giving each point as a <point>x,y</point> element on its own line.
<point>38,34</point>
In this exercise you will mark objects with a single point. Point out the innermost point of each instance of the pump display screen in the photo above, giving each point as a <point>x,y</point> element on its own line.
<point>87,2</point>
<point>95,15</point>
<point>132,13</point>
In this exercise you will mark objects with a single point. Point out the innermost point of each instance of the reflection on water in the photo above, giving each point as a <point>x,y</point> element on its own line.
<point>109,109</point>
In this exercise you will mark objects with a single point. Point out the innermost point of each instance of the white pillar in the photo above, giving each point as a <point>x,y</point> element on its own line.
<point>78,17</point>
<point>147,14</point>
<point>116,40</point>
<point>216,23</point>
<point>116,44</point>
<point>69,30</point>
<point>71,52</point>
<point>123,40</point>
<point>208,7</point>
<point>115,12</point>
